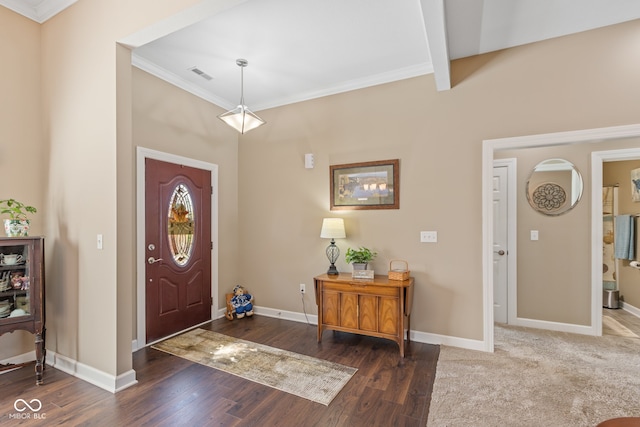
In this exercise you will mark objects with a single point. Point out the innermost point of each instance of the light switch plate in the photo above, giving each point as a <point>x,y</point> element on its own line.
<point>429,236</point>
<point>534,234</point>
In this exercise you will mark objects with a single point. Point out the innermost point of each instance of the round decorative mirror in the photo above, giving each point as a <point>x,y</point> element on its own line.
<point>554,187</point>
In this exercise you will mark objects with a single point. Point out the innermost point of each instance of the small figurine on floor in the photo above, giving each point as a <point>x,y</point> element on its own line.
<point>242,302</point>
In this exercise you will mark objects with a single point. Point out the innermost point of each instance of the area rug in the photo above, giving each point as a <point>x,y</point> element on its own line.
<point>537,378</point>
<point>304,376</point>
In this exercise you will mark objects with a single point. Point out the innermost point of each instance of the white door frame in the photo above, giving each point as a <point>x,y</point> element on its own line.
<point>551,139</point>
<point>512,236</point>
<point>141,155</point>
<point>597,160</point>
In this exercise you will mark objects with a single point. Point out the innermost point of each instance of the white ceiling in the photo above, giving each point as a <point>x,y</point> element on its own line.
<point>304,49</point>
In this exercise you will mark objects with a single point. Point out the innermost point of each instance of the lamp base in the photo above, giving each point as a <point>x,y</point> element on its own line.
<point>333,271</point>
<point>332,254</point>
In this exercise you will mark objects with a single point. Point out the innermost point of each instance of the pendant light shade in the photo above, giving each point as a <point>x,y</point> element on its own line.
<point>241,118</point>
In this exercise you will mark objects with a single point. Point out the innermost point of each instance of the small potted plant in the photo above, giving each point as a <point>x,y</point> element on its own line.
<point>360,257</point>
<point>17,225</point>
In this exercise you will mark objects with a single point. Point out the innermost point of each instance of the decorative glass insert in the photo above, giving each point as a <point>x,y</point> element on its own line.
<point>14,281</point>
<point>181,225</point>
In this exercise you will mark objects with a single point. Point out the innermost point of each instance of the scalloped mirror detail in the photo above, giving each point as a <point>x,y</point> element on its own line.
<point>554,187</point>
<point>181,225</point>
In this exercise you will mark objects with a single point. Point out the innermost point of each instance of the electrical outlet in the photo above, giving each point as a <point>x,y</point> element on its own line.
<point>302,288</point>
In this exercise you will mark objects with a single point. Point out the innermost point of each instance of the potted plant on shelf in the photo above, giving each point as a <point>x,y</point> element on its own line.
<point>360,257</point>
<point>17,225</point>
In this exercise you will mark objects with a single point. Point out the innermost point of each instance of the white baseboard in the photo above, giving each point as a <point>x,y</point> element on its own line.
<point>553,326</point>
<point>311,319</point>
<point>417,336</point>
<point>84,372</point>
<point>566,327</point>
<point>631,309</point>
<point>436,339</point>
<point>90,374</point>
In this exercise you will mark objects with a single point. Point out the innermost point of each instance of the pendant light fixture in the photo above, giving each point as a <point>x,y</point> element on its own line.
<point>241,118</point>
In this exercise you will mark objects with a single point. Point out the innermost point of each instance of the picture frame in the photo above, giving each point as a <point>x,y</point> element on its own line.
<point>366,185</point>
<point>635,185</point>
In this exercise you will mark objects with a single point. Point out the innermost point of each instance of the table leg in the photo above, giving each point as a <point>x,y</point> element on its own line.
<point>39,356</point>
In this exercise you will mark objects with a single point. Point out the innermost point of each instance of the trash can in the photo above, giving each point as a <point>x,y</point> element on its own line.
<point>610,298</point>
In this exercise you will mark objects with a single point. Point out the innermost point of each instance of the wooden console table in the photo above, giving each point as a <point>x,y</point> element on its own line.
<point>378,308</point>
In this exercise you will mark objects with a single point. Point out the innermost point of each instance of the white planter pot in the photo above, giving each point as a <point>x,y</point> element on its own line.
<point>16,227</point>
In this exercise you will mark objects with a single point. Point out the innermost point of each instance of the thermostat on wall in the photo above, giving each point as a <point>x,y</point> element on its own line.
<point>308,160</point>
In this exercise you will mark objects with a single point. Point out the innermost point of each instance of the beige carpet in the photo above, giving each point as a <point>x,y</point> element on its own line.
<point>307,377</point>
<point>537,378</point>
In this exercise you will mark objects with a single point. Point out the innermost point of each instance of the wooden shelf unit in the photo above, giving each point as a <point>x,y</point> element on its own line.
<point>25,301</point>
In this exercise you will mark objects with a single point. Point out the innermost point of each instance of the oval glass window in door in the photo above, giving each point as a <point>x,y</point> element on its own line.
<point>181,225</point>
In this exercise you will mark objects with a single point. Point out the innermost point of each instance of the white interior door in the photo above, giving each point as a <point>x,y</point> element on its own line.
<point>500,249</point>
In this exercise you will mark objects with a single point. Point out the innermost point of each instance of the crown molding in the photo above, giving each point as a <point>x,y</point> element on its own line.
<point>161,73</point>
<point>378,79</point>
<point>395,75</point>
<point>40,12</point>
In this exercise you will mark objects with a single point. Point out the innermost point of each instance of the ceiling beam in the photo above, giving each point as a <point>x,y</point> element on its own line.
<point>433,15</point>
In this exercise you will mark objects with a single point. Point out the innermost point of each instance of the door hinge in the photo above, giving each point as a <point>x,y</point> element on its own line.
<point>211,302</point>
<point>212,245</point>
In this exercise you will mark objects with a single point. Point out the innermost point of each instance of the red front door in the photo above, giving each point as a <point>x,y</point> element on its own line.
<point>177,248</point>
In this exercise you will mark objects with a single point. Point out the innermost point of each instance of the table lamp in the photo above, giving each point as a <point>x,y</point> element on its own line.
<point>332,228</point>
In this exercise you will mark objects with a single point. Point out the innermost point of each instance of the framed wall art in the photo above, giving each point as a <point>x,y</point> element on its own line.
<point>635,185</point>
<point>368,185</point>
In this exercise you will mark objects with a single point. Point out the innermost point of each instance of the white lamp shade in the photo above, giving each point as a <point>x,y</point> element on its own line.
<point>241,119</point>
<point>333,228</point>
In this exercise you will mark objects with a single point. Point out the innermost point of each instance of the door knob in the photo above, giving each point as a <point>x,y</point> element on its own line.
<point>152,260</point>
<point>500,252</point>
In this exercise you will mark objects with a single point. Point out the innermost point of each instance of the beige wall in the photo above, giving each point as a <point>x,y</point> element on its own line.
<point>89,181</point>
<point>620,173</point>
<point>22,154</point>
<point>582,81</point>
<point>540,88</point>
<point>554,272</point>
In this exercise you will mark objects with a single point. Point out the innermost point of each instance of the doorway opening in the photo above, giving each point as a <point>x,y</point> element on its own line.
<point>553,139</point>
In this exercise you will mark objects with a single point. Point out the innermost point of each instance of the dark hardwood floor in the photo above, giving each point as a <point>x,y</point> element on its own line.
<point>386,390</point>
